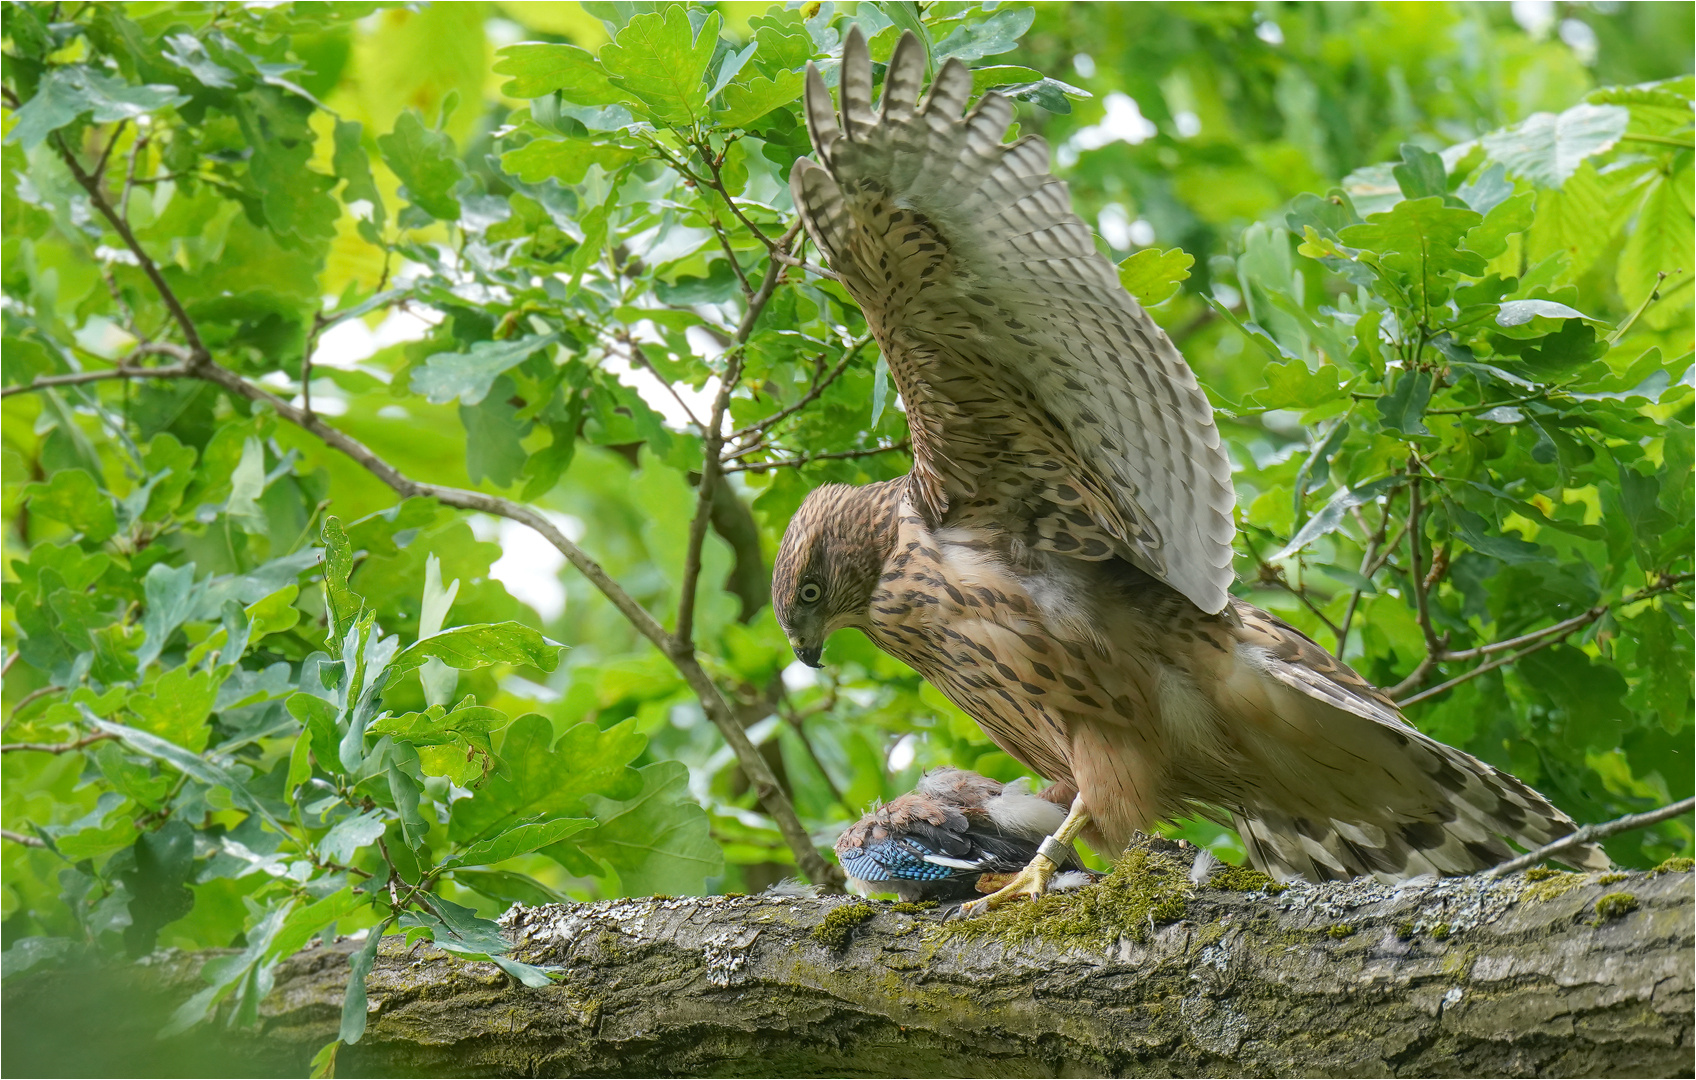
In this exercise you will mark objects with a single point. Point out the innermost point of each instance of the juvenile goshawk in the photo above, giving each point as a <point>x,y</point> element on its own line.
<point>1058,560</point>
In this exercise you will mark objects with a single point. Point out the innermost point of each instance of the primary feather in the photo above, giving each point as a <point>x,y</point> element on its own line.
<point>1035,386</point>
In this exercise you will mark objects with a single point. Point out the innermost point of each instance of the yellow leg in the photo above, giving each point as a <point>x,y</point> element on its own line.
<point>1032,881</point>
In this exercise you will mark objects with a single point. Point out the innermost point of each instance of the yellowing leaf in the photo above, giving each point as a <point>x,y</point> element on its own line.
<point>1152,275</point>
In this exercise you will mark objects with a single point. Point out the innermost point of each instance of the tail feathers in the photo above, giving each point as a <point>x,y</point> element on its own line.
<point>1464,834</point>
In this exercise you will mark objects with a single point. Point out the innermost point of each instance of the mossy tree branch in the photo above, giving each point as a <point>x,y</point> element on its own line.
<point>1551,974</point>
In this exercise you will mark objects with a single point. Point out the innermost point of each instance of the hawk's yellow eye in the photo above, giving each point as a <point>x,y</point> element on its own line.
<point>810,593</point>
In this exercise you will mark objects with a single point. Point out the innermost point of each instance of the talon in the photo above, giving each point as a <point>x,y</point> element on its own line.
<point>1032,882</point>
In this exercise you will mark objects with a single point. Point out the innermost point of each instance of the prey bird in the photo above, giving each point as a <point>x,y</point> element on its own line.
<point>1058,560</point>
<point>956,835</point>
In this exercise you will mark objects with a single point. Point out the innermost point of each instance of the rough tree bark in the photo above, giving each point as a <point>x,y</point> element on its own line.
<point>1457,978</point>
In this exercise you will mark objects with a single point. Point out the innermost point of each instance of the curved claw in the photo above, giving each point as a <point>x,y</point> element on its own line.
<point>1032,881</point>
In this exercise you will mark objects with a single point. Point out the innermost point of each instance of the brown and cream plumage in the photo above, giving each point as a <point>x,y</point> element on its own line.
<point>1058,561</point>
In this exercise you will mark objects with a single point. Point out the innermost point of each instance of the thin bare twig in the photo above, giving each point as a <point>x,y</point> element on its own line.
<point>712,466</point>
<point>811,268</point>
<point>1368,566</point>
<point>20,838</point>
<point>191,335</point>
<point>56,748</point>
<point>1537,639</point>
<point>820,384</point>
<point>126,368</point>
<point>807,459</point>
<point>1590,833</point>
<point>640,357</point>
<point>730,255</point>
<point>106,154</point>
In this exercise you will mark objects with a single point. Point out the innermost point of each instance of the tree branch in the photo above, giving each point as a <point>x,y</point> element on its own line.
<point>1593,832</point>
<point>1459,977</point>
<point>712,465</point>
<point>199,365</point>
<point>820,384</point>
<point>1538,639</point>
<point>56,748</point>
<point>197,348</point>
<point>123,371</point>
<point>806,459</point>
<point>20,838</point>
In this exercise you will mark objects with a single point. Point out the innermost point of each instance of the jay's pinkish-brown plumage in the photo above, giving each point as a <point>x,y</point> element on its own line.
<point>1058,561</point>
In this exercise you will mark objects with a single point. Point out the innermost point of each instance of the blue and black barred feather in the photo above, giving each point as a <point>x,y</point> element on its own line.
<point>936,842</point>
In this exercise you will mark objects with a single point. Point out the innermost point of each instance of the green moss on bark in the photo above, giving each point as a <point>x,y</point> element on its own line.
<point>1613,906</point>
<point>1145,889</point>
<point>839,924</point>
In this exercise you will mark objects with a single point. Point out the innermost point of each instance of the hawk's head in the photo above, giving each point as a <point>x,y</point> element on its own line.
<point>829,562</point>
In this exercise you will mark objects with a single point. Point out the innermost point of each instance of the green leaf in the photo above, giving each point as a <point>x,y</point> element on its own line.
<point>507,887</point>
<point>1556,354</point>
<point>1421,173</point>
<point>1152,276</point>
<point>659,841</point>
<point>324,1061</point>
<point>171,598</point>
<point>1418,243</point>
<point>469,375</point>
<point>544,781</point>
<point>1330,516</point>
<point>343,603</point>
<point>1520,312</point>
<point>353,166</point>
<point>1661,244</point>
<point>518,840</point>
<point>426,163</point>
<point>73,497</point>
<point>975,40</point>
<point>313,919</point>
<point>95,833</point>
<point>65,93</point>
<point>1403,408</point>
<point>359,966</point>
<point>476,646</point>
<point>539,68</point>
<point>176,706</point>
<point>991,78</point>
<point>661,60</point>
<point>348,835</point>
<point>436,726</point>
<point>1480,536</point>
<point>565,160</point>
<point>192,765</point>
<point>1292,386</point>
<point>1050,94</point>
<point>494,436</point>
<point>1547,149</point>
<point>782,46</point>
<point>741,103</point>
<point>1507,218</point>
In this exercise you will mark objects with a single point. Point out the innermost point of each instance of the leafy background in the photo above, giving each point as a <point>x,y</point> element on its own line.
<point>1432,261</point>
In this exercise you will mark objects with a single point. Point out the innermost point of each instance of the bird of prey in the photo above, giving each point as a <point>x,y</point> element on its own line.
<point>1058,560</point>
<point>946,839</point>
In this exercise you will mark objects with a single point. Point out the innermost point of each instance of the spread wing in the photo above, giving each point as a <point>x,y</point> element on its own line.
<point>1039,394</point>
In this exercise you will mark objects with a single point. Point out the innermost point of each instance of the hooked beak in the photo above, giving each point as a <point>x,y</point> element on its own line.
<point>809,656</point>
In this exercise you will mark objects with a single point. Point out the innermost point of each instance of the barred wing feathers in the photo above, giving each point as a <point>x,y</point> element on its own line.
<point>1038,392</point>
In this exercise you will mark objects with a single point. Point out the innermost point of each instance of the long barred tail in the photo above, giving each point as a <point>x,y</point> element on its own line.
<point>1484,805</point>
